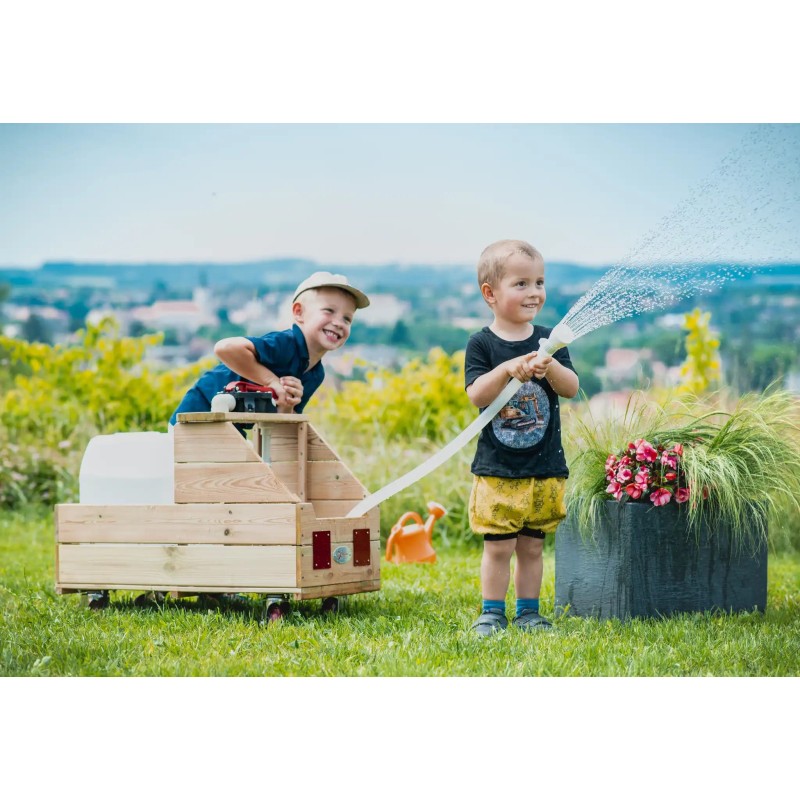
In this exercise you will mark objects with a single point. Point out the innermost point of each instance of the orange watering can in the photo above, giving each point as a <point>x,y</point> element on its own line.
<point>412,543</point>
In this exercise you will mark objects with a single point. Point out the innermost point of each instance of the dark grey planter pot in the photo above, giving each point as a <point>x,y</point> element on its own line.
<point>642,562</point>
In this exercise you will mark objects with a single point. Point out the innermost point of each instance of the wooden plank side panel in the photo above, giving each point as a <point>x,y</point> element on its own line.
<point>302,456</point>
<point>169,567</point>
<point>318,448</point>
<point>338,589</point>
<point>286,473</point>
<point>211,442</point>
<point>338,573</point>
<point>251,482</point>
<point>196,417</point>
<point>332,508</point>
<point>331,480</point>
<point>341,529</point>
<point>174,591</point>
<point>187,523</point>
<point>282,441</point>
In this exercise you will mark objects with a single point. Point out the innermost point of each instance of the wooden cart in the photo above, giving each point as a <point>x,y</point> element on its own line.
<point>264,515</point>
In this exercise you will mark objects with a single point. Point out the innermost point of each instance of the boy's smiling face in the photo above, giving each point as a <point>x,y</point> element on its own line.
<point>519,295</point>
<point>325,316</point>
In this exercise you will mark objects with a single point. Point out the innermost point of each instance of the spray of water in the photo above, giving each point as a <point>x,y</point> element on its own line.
<point>744,216</point>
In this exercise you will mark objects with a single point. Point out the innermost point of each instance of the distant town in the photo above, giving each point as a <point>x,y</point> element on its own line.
<point>413,309</point>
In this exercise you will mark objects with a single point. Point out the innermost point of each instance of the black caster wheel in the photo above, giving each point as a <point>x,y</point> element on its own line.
<point>99,600</point>
<point>149,599</point>
<point>277,611</point>
<point>331,605</point>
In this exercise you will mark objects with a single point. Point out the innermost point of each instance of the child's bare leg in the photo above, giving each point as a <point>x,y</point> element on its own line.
<point>496,568</point>
<point>528,571</point>
<point>528,583</point>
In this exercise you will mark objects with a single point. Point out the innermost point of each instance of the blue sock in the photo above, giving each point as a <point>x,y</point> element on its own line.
<point>527,604</point>
<point>492,604</point>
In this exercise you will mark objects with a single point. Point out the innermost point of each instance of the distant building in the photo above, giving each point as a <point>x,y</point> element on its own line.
<point>185,316</point>
<point>384,310</point>
<point>55,320</point>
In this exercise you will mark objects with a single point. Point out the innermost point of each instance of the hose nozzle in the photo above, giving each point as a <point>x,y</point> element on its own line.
<point>559,337</point>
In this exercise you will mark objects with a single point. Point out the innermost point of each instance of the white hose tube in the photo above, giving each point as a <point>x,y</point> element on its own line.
<point>438,458</point>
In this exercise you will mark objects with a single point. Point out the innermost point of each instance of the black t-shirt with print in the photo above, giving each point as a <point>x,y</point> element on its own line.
<point>524,439</point>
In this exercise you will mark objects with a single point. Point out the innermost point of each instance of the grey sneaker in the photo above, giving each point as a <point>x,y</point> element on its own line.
<point>490,622</point>
<point>528,620</point>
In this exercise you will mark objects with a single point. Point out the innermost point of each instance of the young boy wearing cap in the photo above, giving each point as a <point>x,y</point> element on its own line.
<point>289,361</point>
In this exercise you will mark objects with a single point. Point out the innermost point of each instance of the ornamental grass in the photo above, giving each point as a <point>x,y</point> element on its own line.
<point>738,468</point>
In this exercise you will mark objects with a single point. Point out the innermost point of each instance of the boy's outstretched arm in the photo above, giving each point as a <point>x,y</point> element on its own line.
<point>239,354</point>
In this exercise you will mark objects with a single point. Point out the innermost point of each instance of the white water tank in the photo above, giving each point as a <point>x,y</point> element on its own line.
<point>128,469</point>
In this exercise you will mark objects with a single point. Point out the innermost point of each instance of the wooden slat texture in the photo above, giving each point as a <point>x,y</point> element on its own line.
<point>333,508</point>
<point>282,442</point>
<point>168,567</point>
<point>341,529</point>
<point>203,523</point>
<point>331,480</point>
<point>338,573</point>
<point>286,473</point>
<point>318,448</point>
<point>212,442</point>
<point>230,416</point>
<point>302,455</point>
<point>251,482</point>
<point>338,589</point>
<point>187,590</point>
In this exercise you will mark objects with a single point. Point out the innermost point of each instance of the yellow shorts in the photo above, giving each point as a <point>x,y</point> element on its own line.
<point>506,505</point>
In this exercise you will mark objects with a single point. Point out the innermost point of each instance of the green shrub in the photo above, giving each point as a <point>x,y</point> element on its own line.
<point>425,400</point>
<point>60,396</point>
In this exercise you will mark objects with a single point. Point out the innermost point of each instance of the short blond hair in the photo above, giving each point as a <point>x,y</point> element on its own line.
<point>492,263</point>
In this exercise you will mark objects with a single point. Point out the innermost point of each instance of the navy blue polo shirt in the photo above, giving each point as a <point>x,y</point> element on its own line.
<point>282,352</point>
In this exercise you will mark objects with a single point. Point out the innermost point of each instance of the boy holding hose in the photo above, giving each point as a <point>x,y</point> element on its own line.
<point>519,467</point>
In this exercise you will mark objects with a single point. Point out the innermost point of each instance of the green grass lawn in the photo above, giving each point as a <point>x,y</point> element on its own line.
<point>417,625</point>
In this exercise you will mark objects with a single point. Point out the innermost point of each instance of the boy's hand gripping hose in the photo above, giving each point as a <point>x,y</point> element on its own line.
<point>560,336</point>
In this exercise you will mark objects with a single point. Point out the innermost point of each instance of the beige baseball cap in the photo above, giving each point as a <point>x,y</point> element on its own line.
<point>322,279</point>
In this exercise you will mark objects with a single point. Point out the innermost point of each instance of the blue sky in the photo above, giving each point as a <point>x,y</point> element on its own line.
<point>346,193</point>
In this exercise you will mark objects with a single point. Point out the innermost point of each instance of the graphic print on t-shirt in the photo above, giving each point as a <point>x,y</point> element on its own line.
<point>523,422</point>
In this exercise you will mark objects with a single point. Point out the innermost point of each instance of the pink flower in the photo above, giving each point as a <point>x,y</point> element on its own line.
<point>646,452</point>
<point>661,497</point>
<point>611,460</point>
<point>682,495</point>
<point>613,487</point>
<point>669,460</point>
<point>634,491</point>
<point>678,449</point>
<point>624,474</point>
<point>642,477</point>
<point>625,461</point>
<point>670,476</point>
